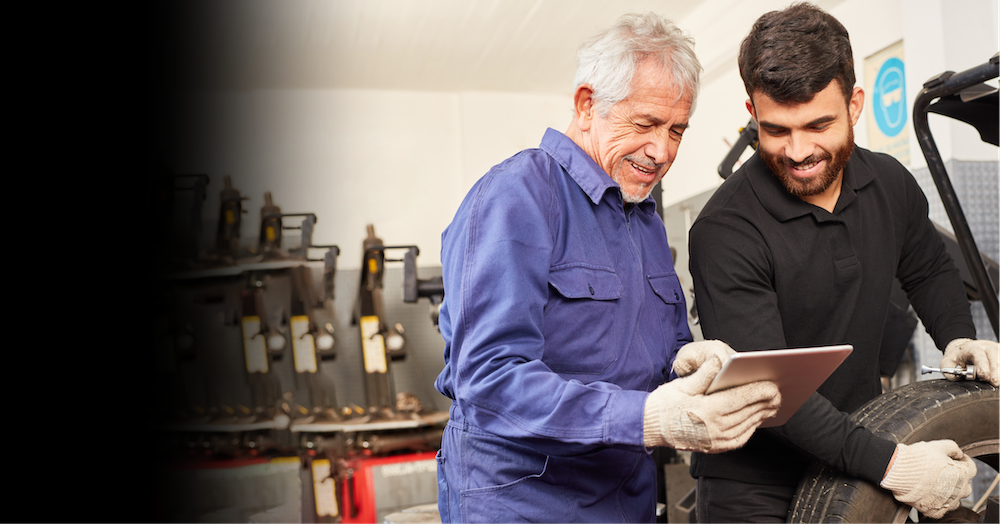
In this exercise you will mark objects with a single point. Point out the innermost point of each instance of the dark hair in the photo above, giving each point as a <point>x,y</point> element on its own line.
<point>793,54</point>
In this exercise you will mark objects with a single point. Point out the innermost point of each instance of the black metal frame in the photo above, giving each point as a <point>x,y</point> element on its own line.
<point>951,88</point>
<point>747,138</point>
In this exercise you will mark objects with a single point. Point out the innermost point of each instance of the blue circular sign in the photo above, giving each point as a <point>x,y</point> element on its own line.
<point>889,97</point>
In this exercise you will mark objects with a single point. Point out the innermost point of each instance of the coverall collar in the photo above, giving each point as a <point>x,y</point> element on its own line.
<point>587,173</point>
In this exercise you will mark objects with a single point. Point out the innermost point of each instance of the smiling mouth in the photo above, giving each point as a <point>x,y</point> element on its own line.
<point>648,171</point>
<point>804,169</point>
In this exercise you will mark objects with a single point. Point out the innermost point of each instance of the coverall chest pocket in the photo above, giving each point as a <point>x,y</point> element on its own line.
<point>580,317</point>
<point>668,288</point>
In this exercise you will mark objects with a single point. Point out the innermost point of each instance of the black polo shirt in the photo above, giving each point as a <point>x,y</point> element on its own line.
<point>772,271</point>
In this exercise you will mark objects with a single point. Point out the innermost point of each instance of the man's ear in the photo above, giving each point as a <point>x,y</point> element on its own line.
<point>583,106</point>
<point>751,109</point>
<point>856,104</point>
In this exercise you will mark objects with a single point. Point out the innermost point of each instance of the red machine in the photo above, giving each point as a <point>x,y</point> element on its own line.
<point>377,486</point>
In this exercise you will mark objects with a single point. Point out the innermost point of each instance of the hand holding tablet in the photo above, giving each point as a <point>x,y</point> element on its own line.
<point>797,372</point>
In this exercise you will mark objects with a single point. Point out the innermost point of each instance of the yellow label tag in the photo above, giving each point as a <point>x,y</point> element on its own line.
<point>303,346</point>
<point>269,232</point>
<point>253,345</point>
<point>373,346</point>
<point>324,489</point>
<point>230,218</point>
<point>372,265</point>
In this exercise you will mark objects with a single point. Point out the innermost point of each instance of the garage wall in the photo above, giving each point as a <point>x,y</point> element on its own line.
<point>399,160</point>
<point>402,160</point>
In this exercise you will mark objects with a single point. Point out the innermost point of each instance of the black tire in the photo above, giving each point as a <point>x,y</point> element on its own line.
<point>966,412</point>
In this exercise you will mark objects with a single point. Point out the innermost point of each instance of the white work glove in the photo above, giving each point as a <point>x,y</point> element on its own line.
<point>933,476</point>
<point>678,414</point>
<point>694,354</point>
<point>983,354</point>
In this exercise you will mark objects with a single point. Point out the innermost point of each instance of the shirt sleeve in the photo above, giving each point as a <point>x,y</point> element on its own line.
<point>929,276</point>
<point>496,293</point>
<point>737,304</point>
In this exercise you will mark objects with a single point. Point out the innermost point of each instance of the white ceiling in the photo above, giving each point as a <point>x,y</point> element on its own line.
<point>438,45</point>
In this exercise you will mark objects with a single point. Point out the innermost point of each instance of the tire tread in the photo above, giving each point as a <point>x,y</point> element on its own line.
<point>825,495</point>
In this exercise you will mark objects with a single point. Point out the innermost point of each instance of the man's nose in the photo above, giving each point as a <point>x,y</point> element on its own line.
<point>659,149</point>
<point>798,148</point>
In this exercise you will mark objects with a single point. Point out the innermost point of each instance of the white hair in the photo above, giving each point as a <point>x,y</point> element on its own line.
<point>608,61</point>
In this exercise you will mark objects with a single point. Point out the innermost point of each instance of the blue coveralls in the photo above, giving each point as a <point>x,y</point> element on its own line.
<point>562,311</point>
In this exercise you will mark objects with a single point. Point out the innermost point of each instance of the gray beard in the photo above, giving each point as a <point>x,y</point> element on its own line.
<point>629,199</point>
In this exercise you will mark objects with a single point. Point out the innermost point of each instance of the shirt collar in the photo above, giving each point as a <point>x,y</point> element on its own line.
<point>784,206</point>
<point>583,169</point>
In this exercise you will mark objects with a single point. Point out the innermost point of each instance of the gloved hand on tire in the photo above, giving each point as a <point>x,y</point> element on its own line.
<point>932,477</point>
<point>983,354</point>
<point>678,414</point>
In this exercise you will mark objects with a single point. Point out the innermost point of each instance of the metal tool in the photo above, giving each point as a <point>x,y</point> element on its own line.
<point>968,371</point>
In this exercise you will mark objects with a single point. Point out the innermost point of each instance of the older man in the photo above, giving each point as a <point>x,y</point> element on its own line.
<point>800,247</point>
<point>564,313</point>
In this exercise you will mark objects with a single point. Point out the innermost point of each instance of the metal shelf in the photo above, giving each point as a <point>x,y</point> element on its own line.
<point>364,424</point>
<point>222,426</point>
<point>238,269</point>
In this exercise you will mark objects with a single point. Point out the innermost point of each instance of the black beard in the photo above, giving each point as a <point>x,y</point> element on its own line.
<point>780,164</point>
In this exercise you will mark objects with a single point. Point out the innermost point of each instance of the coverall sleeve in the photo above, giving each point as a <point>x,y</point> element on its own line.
<point>496,295</point>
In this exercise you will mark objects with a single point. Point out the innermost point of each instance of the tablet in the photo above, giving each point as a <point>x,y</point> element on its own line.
<point>797,372</point>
